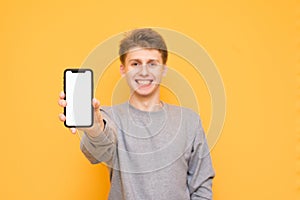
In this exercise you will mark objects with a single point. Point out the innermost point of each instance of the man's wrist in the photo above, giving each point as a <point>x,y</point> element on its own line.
<point>93,133</point>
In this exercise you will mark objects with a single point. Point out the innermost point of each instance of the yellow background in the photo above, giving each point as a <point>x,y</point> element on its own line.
<point>255,45</point>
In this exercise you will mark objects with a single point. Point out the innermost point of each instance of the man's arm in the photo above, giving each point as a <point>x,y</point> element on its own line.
<point>99,141</point>
<point>100,148</point>
<point>200,173</point>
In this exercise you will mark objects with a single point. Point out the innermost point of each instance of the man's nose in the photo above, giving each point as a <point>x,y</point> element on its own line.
<point>144,70</point>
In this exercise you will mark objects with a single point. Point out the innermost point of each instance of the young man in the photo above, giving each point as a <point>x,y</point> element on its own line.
<point>154,150</point>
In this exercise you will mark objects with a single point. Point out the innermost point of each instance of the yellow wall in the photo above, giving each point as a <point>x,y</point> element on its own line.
<point>254,44</point>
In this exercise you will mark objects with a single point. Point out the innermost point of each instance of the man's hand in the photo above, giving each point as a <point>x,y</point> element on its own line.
<point>98,124</point>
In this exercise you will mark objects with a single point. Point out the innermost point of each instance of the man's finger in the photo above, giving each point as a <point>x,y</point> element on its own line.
<point>73,130</point>
<point>62,103</point>
<point>97,113</point>
<point>61,95</point>
<point>62,117</point>
<point>96,104</point>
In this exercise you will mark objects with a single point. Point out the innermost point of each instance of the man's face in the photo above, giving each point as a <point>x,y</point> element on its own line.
<point>144,70</point>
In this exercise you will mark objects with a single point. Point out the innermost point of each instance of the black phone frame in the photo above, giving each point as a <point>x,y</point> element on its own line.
<point>80,70</point>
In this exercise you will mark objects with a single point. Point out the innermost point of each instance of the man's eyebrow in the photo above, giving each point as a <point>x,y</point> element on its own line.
<point>151,60</point>
<point>139,60</point>
<point>135,59</point>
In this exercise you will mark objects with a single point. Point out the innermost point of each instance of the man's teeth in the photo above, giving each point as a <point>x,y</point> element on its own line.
<point>144,82</point>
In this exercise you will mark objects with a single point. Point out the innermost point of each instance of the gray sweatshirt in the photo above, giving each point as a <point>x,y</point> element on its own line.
<point>161,155</point>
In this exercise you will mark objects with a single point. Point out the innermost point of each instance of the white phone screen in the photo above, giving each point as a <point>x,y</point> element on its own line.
<point>78,85</point>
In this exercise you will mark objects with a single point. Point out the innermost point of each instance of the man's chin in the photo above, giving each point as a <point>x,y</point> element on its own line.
<point>145,92</point>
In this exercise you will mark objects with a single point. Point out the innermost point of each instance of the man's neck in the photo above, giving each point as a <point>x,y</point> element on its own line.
<point>148,104</point>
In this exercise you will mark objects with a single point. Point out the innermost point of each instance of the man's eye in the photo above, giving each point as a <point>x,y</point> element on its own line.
<point>134,64</point>
<point>153,64</point>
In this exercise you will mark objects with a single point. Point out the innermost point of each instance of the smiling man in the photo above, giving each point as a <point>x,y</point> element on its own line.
<point>144,69</point>
<point>154,150</point>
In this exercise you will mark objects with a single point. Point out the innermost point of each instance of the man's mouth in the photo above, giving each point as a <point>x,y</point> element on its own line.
<point>143,82</point>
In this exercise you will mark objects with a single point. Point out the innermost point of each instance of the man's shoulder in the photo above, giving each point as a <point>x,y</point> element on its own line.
<point>186,118</point>
<point>117,106</point>
<point>182,111</point>
<point>172,110</point>
<point>118,109</point>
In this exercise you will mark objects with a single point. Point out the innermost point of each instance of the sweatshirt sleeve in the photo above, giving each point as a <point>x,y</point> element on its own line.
<point>200,170</point>
<point>101,148</point>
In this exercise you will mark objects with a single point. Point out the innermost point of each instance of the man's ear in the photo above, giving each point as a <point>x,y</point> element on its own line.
<point>122,70</point>
<point>165,69</point>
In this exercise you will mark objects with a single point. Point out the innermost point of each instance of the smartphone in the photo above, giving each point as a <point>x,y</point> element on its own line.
<point>78,88</point>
